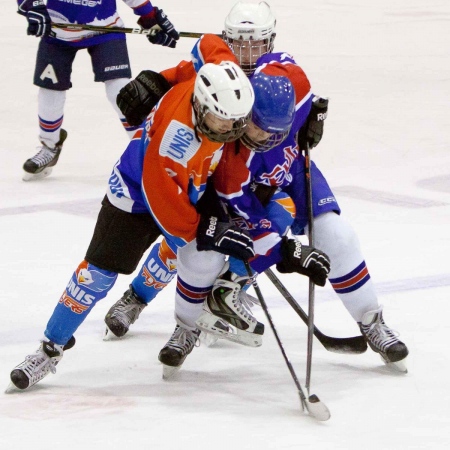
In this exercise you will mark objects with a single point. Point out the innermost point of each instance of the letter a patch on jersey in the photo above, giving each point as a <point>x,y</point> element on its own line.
<point>49,72</point>
<point>179,143</point>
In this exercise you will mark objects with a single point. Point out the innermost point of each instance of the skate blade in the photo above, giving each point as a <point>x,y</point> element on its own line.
<point>218,327</point>
<point>108,335</point>
<point>12,388</point>
<point>37,176</point>
<point>398,367</point>
<point>169,371</point>
<point>208,339</point>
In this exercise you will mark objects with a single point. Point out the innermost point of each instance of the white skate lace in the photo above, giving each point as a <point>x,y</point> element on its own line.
<point>243,304</point>
<point>127,310</point>
<point>381,335</point>
<point>44,156</point>
<point>184,340</point>
<point>39,361</point>
<point>248,300</point>
<point>37,365</point>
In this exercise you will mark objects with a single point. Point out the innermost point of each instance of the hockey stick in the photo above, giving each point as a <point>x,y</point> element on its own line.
<point>311,291</point>
<point>312,404</point>
<point>355,345</point>
<point>137,30</point>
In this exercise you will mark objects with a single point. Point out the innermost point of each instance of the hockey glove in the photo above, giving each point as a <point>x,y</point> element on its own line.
<point>137,98</point>
<point>35,11</point>
<point>311,132</point>
<point>305,260</point>
<point>224,237</point>
<point>167,36</point>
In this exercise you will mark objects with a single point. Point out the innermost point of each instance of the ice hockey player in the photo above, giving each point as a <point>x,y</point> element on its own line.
<point>272,116</point>
<point>56,53</point>
<point>250,33</point>
<point>183,137</point>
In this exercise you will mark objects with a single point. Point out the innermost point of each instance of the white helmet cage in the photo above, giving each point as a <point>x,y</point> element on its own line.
<point>245,24</point>
<point>225,91</point>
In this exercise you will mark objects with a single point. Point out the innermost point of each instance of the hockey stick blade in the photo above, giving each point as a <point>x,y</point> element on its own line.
<point>312,405</point>
<point>351,345</point>
<point>317,409</point>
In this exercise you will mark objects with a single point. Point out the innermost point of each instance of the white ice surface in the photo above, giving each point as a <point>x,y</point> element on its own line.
<point>386,152</point>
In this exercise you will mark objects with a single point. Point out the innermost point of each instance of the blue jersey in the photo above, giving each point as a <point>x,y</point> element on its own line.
<point>90,12</point>
<point>238,172</point>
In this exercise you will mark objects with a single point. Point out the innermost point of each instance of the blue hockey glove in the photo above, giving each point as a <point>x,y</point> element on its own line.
<point>39,23</point>
<point>167,36</point>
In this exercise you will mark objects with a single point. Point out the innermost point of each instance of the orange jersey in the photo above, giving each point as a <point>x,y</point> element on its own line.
<point>208,49</point>
<point>177,163</point>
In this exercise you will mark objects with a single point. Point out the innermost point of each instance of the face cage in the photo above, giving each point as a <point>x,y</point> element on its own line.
<point>264,146</point>
<point>256,51</point>
<point>235,133</point>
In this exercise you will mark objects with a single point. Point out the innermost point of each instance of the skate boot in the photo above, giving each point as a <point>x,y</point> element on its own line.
<point>39,364</point>
<point>227,312</point>
<point>41,164</point>
<point>173,354</point>
<point>123,313</point>
<point>383,340</point>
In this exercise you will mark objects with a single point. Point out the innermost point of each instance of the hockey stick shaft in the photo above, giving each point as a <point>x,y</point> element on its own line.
<point>311,291</point>
<point>312,404</point>
<point>272,326</point>
<point>355,345</point>
<point>137,30</point>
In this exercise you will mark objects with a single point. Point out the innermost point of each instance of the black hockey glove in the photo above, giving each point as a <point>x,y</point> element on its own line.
<point>35,11</point>
<point>311,132</point>
<point>224,237</point>
<point>167,36</point>
<point>137,98</point>
<point>305,260</point>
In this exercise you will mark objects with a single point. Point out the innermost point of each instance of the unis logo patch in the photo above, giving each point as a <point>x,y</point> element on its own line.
<point>94,280</point>
<point>179,143</point>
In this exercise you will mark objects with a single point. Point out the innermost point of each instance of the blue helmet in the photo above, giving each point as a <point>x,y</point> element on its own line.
<point>273,110</point>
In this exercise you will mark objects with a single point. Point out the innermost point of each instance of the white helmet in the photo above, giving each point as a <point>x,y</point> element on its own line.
<point>225,91</point>
<point>245,23</point>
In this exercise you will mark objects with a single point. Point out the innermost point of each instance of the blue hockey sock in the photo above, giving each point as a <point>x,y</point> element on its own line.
<point>156,273</point>
<point>88,285</point>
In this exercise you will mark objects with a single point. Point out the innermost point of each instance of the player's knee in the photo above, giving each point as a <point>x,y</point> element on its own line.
<point>333,234</point>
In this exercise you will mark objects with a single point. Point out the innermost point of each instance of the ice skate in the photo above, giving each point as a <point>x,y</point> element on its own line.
<point>383,340</point>
<point>227,313</point>
<point>122,314</point>
<point>173,354</point>
<point>42,163</point>
<point>38,365</point>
